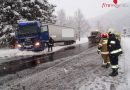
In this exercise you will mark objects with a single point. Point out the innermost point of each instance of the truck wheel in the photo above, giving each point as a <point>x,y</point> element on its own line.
<point>72,42</point>
<point>69,42</point>
<point>65,43</point>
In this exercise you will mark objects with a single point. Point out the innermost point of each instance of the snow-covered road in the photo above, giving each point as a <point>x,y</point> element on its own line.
<point>78,72</point>
<point>126,57</point>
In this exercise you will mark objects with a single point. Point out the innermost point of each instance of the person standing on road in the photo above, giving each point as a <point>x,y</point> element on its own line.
<point>102,48</point>
<point>50,44</point>
<point>115,50</point>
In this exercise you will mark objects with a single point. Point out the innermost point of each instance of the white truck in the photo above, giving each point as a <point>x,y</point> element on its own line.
<point>61,33</point>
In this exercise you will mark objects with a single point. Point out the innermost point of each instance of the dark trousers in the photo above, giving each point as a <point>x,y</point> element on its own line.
<point>50,47</point>
<point>114,59</point>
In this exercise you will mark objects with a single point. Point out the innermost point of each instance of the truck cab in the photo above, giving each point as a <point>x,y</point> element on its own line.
<point>94,37</point>
<point>31,35</point>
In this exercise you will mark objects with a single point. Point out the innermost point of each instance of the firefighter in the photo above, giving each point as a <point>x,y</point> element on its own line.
<point>102,48</point>
<point>115,50</point>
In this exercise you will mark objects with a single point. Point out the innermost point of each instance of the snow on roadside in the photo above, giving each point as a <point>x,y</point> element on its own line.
<point>80,72</point>
<point>105,82</point>
<point>83,40</point>
<point>15,52</point>
<point>126,50</point>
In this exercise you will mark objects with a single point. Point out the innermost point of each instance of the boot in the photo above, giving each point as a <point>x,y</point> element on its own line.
<point>114,72</point>
<point>108,65</point>
<point>103,66</point>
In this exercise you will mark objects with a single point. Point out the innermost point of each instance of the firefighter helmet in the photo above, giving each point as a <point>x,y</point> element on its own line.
<point>104,35</point>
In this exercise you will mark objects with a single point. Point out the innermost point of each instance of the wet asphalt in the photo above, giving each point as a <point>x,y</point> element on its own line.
<point>20,64</point>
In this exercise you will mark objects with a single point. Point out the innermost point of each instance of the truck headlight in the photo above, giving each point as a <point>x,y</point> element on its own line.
<point>37,44</point>
<point>19,46</point>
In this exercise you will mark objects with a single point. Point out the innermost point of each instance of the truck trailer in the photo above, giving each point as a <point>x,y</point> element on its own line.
<point>61,33</point>
<point>33,35</point>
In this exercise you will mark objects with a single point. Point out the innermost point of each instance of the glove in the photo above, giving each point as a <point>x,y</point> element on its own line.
<point>98,51</point>
<point>121,52</point>
<point>99,47</point>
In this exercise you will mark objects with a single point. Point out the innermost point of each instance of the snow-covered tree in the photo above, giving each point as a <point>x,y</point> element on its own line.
<point>13,10</point>
<point>61,18</point>
<point>70,21</point>
<point>77,21</point>
<point>81,23</point>
<point>99,27</point>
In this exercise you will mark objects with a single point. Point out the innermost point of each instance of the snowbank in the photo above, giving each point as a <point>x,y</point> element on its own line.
<point>15,52</point>
<point>83,40</point>
<point>126,59</point>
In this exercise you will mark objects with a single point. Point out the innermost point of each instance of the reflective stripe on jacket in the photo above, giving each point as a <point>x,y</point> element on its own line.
<point>116,51</point>
<point>114,46</point>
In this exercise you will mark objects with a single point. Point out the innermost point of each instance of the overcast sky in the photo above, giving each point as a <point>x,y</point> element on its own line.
<point>89,8</point>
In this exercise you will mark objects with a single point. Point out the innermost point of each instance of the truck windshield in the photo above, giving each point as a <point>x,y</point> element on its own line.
<point>28,29</point>
<point>94,33</point>
<point>44,28</point>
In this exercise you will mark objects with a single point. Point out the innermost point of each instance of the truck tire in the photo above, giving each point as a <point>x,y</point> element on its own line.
<point>69,42</point>
<point>72,42</point>
<point>66,43</point>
